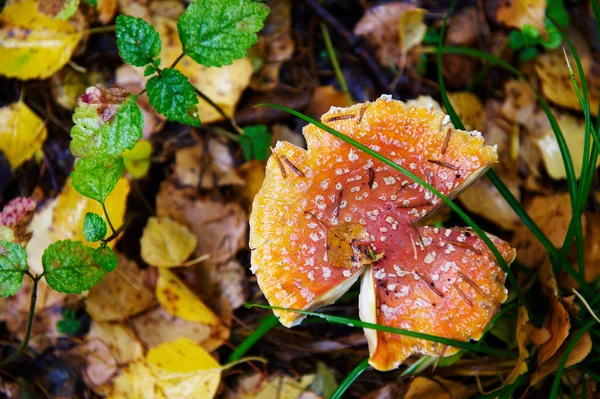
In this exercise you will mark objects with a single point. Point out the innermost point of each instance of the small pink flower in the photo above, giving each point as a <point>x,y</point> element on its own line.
<point>16,210</point>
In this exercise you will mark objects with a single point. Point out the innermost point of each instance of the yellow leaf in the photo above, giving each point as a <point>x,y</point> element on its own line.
<point>22,132</point>
<point>411,29</point>
<point>34,45</point>
<point>135,382</point>
<point>440,388</point>
<point>518,13</point>
<point>523,335</point>
<point>71,208</point>
<point>469,109</point>
<point>166,243</point>
<point>178,300</point>
<point>137,160</point>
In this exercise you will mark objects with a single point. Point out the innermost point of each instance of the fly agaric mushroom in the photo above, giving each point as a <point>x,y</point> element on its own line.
<point>326,216</point>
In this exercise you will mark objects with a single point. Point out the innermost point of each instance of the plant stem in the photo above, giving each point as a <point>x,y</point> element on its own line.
<point>108,219</point>
<point>101,29</point>
<point>334,62</point>
<point>30,318</point>
<point>177,60</point>
<point>219,110</point>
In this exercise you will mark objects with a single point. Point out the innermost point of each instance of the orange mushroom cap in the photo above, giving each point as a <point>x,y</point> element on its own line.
<point>326,216</point>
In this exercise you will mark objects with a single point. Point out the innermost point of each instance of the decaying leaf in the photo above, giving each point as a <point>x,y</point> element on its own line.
<point>174,370</point>
<point>557,85</point>
<point>166,243</point>
<point>256,386</point>
<point>22,133</point>
<point>121,294</point>
<point>422,285</point>
<point>483,199</point>
<point>518,13</point>
<point>523,332</point>
<point>33,44</point>
<point>439,388</point>
<point>552,214</point>
<point>469,109</point>
<point>411,29</point>
<point>325,97</point>
<point>253,174</point>
<point>580,351</point>
<point>220,228</point>
<point>591,248</point>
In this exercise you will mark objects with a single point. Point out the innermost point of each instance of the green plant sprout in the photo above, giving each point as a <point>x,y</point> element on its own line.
<point>108,122</point>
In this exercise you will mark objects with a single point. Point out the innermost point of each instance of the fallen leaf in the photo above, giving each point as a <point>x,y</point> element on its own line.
<point>106,11</point>
<point>469,108</point>
<point>325,97</point>
<point>220,228</point>
<point>439,388</point>
<point>33,44</point>
<point>591,249</point>
<point>411,29</point>
<point>138,159</point>
<point>580,351</point>
<point>253,174</point>
<point>518,13</point>
<point>22,133</point>
<point>68,84</point>
<point>483,199</point>
<point>120,295</point>
<point>256,386</point>
<point>232,279</point>
<point>465,27</point>
<point>166,243</point>
<point>558,324</point>
<point>523,333</point>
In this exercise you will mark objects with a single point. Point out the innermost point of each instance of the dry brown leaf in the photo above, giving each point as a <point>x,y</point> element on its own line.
<point>523,332</point>
<point>325,97</point>
<point>518,13</point>
<point>166,243</point>
<point>231,279</point>
<point>106,11</point>
<point>120,295</point>
<point>380,27</point>
<point>483,199</point>
<point>439,388</point>
<point>591,248</point>
<point>219,228</point>
<point>580,351</point>
<point>555,77</point>
<point>207,166</point>
<point>465,27</point>
<point>552,214</point>
<point>469,109</point>
<point>558,324</point>
<point>256,386</point>
<point>135,8</point>
<point>253,173</point>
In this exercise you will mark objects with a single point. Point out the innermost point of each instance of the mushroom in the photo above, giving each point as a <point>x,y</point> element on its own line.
<point>328,215</point>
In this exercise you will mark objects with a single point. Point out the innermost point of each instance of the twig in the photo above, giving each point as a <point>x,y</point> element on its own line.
<point>30,318</point>
<point>101,29</point>
<point>354,42</point>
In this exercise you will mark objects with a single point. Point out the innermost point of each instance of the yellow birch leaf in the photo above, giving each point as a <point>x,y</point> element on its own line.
<point>440,388</point>
<point>166,243</point>
<point>184,370</point>
<point>135,382</point>
<point>33,45</point>
<point>178,300</point>
<point>469,109</point>
<point>411,29</point>
<point>22,132</point>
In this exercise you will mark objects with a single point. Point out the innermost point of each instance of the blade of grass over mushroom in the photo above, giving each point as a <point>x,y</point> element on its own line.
<point>350,378</point>
<point>265,326</point>
<point>563,361</point>
<point>412,334</point>
<point>508,196</point>
<point>412,176</point>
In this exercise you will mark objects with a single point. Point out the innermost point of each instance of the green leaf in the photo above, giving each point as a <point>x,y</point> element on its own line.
<point>107,122</point>
<point>69,267</point>
<point>172,95</point>
<point>93,3</point>
<point>528,53</point>
<point>516,39</point>
<point>255,142</point>
<point>95,178</point>
<point>530,33</point>
<point>105,258</point>
<point>149,70</point>
<point>554,37</point>
<point>217,32</point>
<point>448,361</point>
<point>94,227</point>
<point>13,266</point>
<point>68,8</point>
<point>138,41</point>
<point>69,323</point>
<point>555,10</point>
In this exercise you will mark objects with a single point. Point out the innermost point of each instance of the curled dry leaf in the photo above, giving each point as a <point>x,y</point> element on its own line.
<point>62,219</point>
<point>22,133</point>
<point>591,248</point>
<point>523,332</point>
<point>33,44</point>
<point>469,108</point>
<point>580,351</point>
<point>174,370</point>
<point>555,78</point>
<point>257,386</point>
<point>220,228</point>
<point>206,166</point>
<point>381,26</point>
<point>439,388</point>
<point>444,282</point>
<point>552,213</point>
<point>166,243</point>
<point>120,295</point>
<point>518,13</point>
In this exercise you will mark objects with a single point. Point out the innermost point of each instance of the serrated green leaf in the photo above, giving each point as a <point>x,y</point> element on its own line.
<point>107,122</point>
<point>172,95</point>
<point>149,70</point>
<point>13,266</point>
<point>70,268</point>
<point>95,178</point>
<point>105,258</point>
<point>217,32</point>
<point>255,142</point>
<point>138,41</point>
<point>94,227</point>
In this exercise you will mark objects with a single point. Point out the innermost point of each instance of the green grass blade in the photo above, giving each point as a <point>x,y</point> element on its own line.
<point>334,62</point>
<point>563,360</point>
<point>265,326</point>
<point>346,321</point>
<point>350,378</point>
<point>448,201</point>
